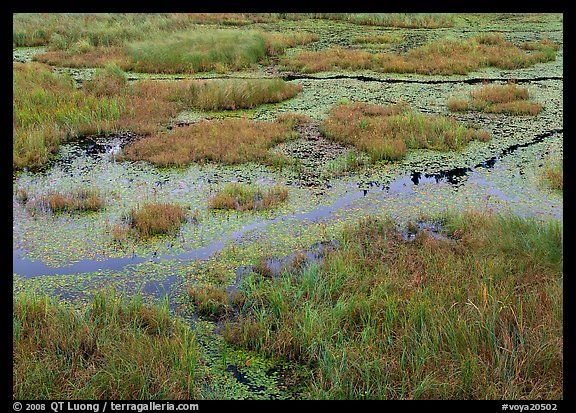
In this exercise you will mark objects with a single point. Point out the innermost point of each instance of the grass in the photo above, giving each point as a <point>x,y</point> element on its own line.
<point>446,56</point>
<point>242,197</point>
<point>405,20</point>
<point>151,219</point>
<point>228,141</point>
<point>553,174</point>
<point>509,99</point>
<point>114,349</point>
<point>64,30</point>
<point>210,301</point>
<point>388,132</point>
<point>185,51</point>
<point>477,315</point>
<point>232,94</point>
<point>49,110</point>
<point>79,200</point>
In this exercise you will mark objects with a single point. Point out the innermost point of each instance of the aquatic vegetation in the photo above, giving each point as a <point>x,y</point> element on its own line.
<point>229,141</point>
<point>382,38</point>
<point>313,303</point>
<point>509,99</point>
<point>446,56</point>
<point>387,132</point>
<point>210,300</point>
<point>231,94</point>
<point>242,197</point>
<point>553,174</point>
<point>114,349</point>
<point>152,219</point>
<point>395,310</point>
<point>81,199</point>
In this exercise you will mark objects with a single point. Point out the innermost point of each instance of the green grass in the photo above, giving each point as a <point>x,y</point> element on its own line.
<point>243,197</point>
<point>388,132</point>
<point>232,94</point>
<point>406,20</point>
<point>509,99</point>
<point>49,110</point>
<point>114,349</point>
<point>184,51</point>
<point>64,30</point>
<point>478,316</point>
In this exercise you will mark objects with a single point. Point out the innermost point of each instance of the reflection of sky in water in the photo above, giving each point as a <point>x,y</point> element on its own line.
<point>498,183</point>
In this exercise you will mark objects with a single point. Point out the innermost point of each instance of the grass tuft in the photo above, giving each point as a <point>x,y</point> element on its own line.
<point>153,219</point>
<point>242,197</point>
<point>387,132</point>
<point>509,99</point>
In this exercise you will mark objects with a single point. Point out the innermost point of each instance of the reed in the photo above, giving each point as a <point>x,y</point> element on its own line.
<point>476,315</point>
<point>113,349</point>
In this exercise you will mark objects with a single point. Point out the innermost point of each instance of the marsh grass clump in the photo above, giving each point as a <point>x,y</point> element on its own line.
<point>113,349</point>
<point>243,197</point>
<point>474,316</point>
<point>151,219</point>
<point>77,200</point>
<point>553,174</point>
<point>387,132</point>
<point>210,300</point>
<point>232,94</point>
<point>446,56</point>
<point>509,99</point>
<point>228,141</point>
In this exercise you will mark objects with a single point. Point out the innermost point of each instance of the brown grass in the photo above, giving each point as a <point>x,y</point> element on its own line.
<point>442,57</point>
<point>243,197</point>
<point>509,99</point>
<point>79,200</point>
<point>387,132</point>
<point>229,141</point>
<point>157,219</point>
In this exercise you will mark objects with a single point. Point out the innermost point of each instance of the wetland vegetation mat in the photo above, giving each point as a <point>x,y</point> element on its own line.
<point>345,206</point>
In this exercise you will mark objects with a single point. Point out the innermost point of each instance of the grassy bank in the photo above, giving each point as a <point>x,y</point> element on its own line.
<point>387,132</point>
<point>475,316</point>
<point>114,349</point>
<point>49,110</point>
<point>185,51</point>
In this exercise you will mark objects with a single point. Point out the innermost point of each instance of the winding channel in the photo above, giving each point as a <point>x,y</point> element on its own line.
<point>28,268</point>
